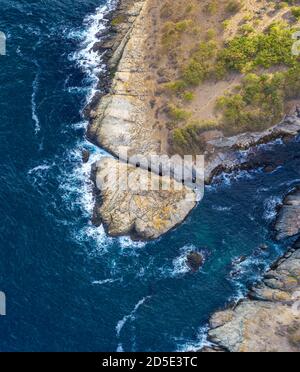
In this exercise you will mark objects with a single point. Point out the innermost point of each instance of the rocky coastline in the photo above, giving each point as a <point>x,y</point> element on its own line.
<point>122,120</point>
<point>269,319</point>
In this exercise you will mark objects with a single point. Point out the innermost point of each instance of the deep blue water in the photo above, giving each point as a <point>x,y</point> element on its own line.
<point>68,286</point>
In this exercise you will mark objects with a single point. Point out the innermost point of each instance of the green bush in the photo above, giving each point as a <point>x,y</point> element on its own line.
<point>245,53</point>
<point>211,8</point>
<point>118,20</point>
<point>177,86</point>
<point>178,114</point>
<point>188,140</point>
<point>292,83</point>
<point>200,64</point>
<point>296,11</point>
<point>258,105</point>
<point>234,6</point>
<point>194,73</point>
<point>173,30</point>
<point>188,96</point>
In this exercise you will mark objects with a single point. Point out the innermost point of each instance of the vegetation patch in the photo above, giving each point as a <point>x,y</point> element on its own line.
<point>247,52</point>
<point>260,101</point>
<point>188,140</point>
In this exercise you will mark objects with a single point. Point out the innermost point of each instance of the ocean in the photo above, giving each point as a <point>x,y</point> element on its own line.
<point>68,286</point>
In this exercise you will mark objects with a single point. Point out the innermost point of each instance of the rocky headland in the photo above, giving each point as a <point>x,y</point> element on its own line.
<point>137,114</point>
<point>269,320</point>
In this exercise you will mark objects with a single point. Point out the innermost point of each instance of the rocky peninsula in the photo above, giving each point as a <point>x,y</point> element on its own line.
<point>167,94</point>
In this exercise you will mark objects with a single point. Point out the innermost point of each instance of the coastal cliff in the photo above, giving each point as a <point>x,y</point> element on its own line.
<point>169,95</point>
<point>269,320</point>
<point>124,122</point>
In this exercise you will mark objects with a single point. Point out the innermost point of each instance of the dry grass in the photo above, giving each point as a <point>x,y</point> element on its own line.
<point>177,29</point>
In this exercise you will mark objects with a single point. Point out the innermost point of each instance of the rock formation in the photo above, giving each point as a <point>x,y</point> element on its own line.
<point>195,260</point>
<point>125,119</point>
<point>139,203</point>
<point>269,320</point>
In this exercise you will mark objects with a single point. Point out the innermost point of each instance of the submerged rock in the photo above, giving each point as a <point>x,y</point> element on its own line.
<point>85,155</point>
<point>270,168</point>
<point>263,247</point>
<point>195,260</point>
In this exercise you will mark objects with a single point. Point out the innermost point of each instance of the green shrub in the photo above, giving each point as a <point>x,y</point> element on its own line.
<point>173,30</point>
<point>225,24</point>
<point>234,6</point>
<point>245,53</point>
<point>178,114</point>
<point>184,25</point>
<point>118,20</point>
<point>177,86</point>
<point>292,83</point>
<point>247,29</point>
<point>211,8</point>
<point>258,105</point>
<point>296,11</point>
<point>194,73</point>
<point>200,64</point>
<point>188,96</point>
<point>188,140</point>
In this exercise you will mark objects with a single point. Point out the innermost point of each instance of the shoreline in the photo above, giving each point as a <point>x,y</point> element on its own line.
<point>268,318</point>
<point>224,157</point>
<point>115,116</point>
<point>267,313</point>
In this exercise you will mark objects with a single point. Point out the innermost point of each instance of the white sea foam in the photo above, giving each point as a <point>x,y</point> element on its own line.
<point>194,346</point>
<point>219,208</point>
<point>34,114</point>
<point>80,125</point>
<point>291,183</point>
<point>78,182</point>
<point>249,270</point>
<point>130,317</point>
<point>38,175</point>
<point>126,242</point>
<point>270,208</point>
<point>91,62</point>
<point>228,179</point>
<point>106,281</point>
<point>120,348</point>
<point>180,265</point>
<point>39,168</point>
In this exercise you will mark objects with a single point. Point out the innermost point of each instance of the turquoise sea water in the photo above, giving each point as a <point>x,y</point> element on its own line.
<point>69,287</point>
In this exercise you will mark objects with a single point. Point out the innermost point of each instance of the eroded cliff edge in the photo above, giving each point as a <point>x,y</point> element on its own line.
<point>269,320</point>
<point>123,122</point>
<point>134,115</point>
